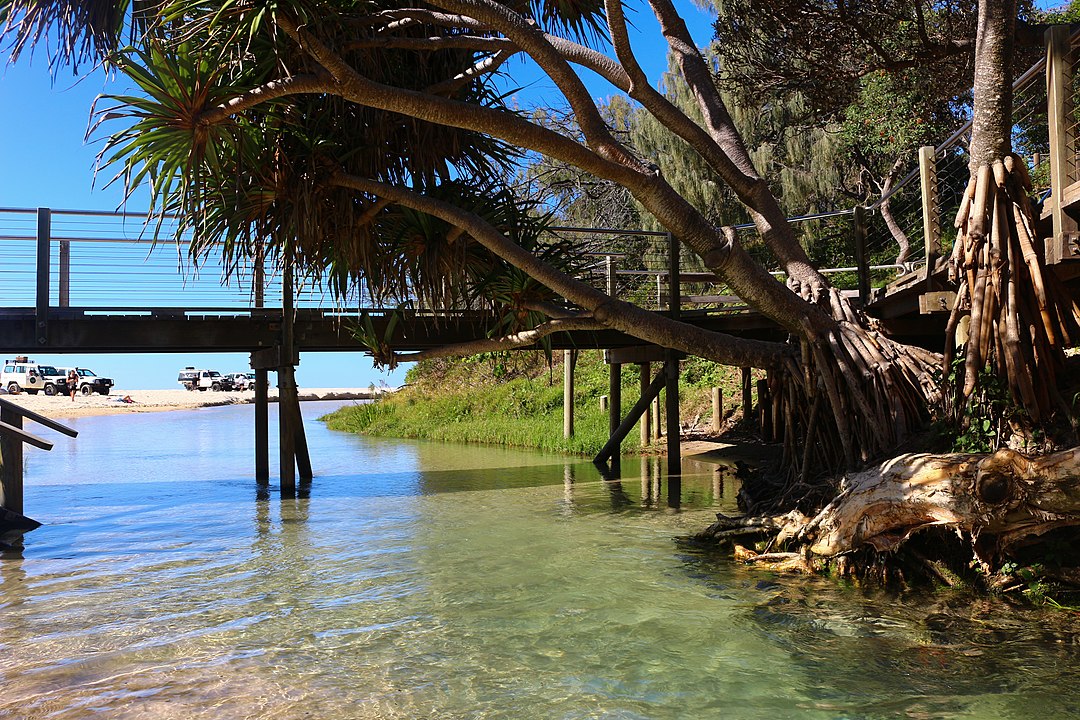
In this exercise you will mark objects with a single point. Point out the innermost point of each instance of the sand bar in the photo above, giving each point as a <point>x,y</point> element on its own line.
<point>62,406</point>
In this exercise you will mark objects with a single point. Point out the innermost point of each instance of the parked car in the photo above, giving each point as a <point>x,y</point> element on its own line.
<point>242,380</point>
<point>196,379</point>
<point>23,374</point>
<point>89,382</point>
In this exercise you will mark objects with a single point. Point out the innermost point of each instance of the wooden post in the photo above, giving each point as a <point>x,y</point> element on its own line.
<point>44,242</point>
<point>674,279</point>
<point>674,450</point>
<point>300,446</point>
<point>611,447</point>
<point>614,369</point>
<point>65,273</point>
<point>568,394</point>
<point>644,371</point>
<point>1059,115</point>
<point>764,410</point>
<point>717,409</point>
<point>614,397</point>
<point>603,403</point>
<point>286,449</point>
<point>657,433</point>
<point>262,428</point>
<point>747,396</point>
<point>858,230</point>
<point>11,463</point>
<point>286,387</point>
<point>931,210</point>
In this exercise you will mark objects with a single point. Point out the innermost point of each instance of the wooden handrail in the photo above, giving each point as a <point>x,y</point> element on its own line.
<point>26,437</point>
<point>39,419</point>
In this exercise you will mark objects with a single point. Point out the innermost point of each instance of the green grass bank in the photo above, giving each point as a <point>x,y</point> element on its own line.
<point>515,399</point>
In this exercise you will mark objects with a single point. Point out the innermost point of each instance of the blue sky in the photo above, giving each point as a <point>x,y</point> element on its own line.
<point>46,163</point>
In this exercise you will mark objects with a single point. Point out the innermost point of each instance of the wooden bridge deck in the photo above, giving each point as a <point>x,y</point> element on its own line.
<point>166,330</point>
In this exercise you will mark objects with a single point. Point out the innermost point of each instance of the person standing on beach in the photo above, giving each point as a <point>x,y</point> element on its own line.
<point>72,383</point>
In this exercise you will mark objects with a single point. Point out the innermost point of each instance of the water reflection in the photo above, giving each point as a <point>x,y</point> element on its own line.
<point>428,580</point>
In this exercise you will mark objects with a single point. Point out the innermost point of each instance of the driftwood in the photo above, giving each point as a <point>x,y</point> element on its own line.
<point>997,501</point>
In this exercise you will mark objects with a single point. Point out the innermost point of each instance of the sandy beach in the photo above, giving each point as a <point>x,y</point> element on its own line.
<point>62,406</point>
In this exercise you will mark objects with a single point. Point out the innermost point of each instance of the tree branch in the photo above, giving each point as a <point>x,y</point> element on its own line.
<point>729,260</point>
<point>606,310</point>
<point>512,128</point>
<point>506,342</point>
<point>295,85</point>
<point>449,42</point>
<point>533,42</point>
<point>751,189</point>
<point>485,66</point>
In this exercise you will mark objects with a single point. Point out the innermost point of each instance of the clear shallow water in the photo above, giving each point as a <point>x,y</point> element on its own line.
<point>423,580</point>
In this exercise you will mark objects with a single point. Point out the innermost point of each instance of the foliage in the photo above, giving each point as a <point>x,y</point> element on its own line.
<point>511,399</point>
<point>983,423</point>
<point>515,398</point>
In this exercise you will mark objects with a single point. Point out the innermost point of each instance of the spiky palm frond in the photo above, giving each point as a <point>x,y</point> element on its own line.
<point>73,31</point>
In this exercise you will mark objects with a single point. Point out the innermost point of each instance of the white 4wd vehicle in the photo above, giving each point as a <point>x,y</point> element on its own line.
<point>22,374</point>
<point>195,379</point>
<point>242,380</point>
<point>89,383</point>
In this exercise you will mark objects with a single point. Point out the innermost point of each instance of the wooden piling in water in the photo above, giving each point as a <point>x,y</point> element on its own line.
<point>286,449</point>
<point>646,417</point>
<point>262,427</point>
<point>614,397</point>
<point>671,400</point>
<point>568,394</point>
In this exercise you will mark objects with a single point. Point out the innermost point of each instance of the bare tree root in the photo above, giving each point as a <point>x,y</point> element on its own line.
<point>1011,316</point>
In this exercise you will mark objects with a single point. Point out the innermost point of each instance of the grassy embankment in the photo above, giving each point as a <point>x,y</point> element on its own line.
<point>515,399</point>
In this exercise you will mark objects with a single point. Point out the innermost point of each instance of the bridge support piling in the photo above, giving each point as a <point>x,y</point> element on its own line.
<point>657,432</point>
<point>286,447</point>
<point>262,427</point>
<point>1060,114</point>
<point>928,182</point>
<point>303,457</point>
<point>611,448</point>
<point>614,397</point>
<point>644,371</point>
<point>671,400</point>
<point>568,394</point>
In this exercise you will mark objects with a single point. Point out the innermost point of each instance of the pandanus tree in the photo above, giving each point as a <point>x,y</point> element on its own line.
<point>367,141</point>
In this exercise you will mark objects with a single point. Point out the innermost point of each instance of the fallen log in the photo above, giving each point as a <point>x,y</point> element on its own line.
<point>997,502</point>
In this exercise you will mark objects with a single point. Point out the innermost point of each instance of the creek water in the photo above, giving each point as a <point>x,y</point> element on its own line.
<point>423,580</point>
